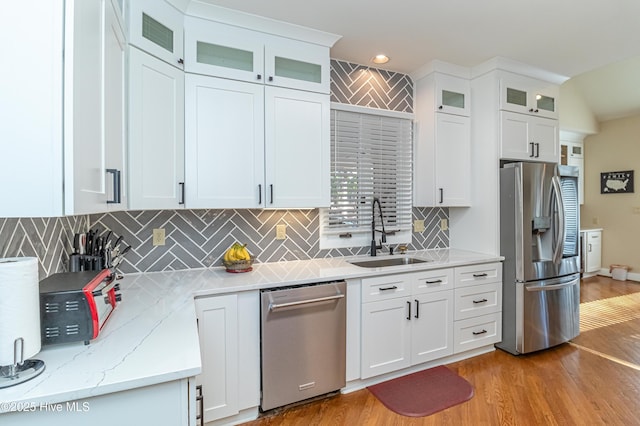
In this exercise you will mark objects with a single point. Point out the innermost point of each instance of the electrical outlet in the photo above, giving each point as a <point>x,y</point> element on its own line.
<point>281,232</point>
<point>158,237</point>
<point>418,225</point>
<point>444,224</point>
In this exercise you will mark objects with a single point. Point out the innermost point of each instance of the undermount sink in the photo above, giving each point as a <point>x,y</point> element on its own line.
<point>394,261</point>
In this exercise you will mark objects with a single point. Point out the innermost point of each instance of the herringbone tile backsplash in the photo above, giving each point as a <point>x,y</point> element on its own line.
<point>198,238</point>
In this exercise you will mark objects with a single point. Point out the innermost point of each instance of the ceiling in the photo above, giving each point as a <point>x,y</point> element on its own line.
<point>595,41</point>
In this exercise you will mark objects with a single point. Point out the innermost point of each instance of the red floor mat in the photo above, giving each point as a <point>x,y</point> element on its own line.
<point>423,393</point>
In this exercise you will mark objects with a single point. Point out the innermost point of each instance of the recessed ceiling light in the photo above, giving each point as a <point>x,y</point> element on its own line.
<point>380,59</point>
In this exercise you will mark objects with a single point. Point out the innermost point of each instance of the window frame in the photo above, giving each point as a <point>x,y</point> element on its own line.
<point>330,238</point>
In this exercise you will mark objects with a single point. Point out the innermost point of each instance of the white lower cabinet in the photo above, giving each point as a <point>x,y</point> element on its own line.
<point>478,306</point>
<point>592,251</point>
<point>412,318</point>
<point>229,330</point>
<point>406,320</point>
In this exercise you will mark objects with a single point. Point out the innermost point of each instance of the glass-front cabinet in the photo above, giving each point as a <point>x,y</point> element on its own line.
<point>221,50</point>
<point>157,28</point>
<point>452,94</point>
<point>528,96</point>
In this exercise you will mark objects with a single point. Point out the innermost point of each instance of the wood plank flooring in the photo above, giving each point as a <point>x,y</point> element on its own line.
<point>578,383</point>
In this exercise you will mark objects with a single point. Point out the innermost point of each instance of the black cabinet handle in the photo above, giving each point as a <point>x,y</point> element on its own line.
<point>200,402</point>
<point>417,308</point>
<point>181,200</point>
<point>259,194</point>
<point>476,333</point>
<point>116,186</point>
<point>259,76</point>
<point>409,314</point>
<point>484,274</point>
<point>480,301</point>
<point>271,192</point>
<point>440,107</point>
<point>537,149</point>
<point>270,78</point>
<point>433,282</point>
<point>441,195</point>
<point>393,287</point>
<point>533,152</point>
<point>181,61</point>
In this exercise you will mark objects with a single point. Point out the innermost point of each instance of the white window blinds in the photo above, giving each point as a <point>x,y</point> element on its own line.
<point>370,157</point>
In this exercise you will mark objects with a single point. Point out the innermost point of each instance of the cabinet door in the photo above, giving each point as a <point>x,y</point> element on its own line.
<point>544,135</point>
<point>32,169</point>
<point>297,65</point>
<point>432,326</point>
<point>529,138</point>
<point>453,160</point>
<point>157,28</point>
<point>221,50</point>
<point>94,109</point>
<point>528,96</point>
<point>593,253</point>
<point>297,147</point>
<point>114,73</point>
<point>452,95</point>
<point>218,331</point>
<point>156,133</point>
<point>224,143</point>
<point>386,336</point>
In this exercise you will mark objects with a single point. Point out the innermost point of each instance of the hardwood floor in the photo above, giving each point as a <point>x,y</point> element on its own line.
<point>580,383</point>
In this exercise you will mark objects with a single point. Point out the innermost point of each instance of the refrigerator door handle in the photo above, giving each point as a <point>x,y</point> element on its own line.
<point>550,287</point>
<point>557,252</point>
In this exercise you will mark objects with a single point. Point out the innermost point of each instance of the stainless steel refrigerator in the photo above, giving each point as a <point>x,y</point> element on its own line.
<point>539,239</point>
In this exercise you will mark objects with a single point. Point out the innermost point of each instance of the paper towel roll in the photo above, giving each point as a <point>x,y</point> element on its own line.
<point>19,307</point>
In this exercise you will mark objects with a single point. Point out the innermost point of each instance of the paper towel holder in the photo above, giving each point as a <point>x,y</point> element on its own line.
<point>21,370</point>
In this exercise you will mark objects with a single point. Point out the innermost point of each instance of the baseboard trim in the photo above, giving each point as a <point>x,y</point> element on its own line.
<point>631,276</point>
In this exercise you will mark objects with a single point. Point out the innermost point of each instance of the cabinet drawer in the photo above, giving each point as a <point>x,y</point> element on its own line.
<point>482,299</point>
<point>478,274</point>
<point>428,281</point>
<point>385,287</point>
<point>476,332</point>
<point>593,237</point>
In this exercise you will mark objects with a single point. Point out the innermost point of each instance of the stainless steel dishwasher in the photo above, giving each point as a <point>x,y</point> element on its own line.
<point>303,342</point>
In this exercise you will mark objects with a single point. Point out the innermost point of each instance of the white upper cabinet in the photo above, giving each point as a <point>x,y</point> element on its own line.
<point>452,94</point>
<point>156,133</point>
<point>297,149</point>
<point>528,96</point>
<point>255,137</point>
<point>442,147</point>
<point>73,160</point>
<point>224,143</point>
<point>221,50</point>
<point>157,28</point>
<point>528,138</point>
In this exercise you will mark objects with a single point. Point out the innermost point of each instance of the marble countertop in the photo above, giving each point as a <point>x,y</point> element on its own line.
<point>152,338</point>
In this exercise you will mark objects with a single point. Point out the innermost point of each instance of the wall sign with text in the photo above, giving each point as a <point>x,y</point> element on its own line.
<point>616,182</point>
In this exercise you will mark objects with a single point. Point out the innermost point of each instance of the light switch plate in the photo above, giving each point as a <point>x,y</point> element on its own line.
<point>281,232</point>
<point>418,225</point>
<point>158,237</point>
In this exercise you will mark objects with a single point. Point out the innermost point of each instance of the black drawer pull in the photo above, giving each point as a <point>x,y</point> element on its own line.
<point>393,287</point>
<point>480,301</point>
<point>433,282</point>
<point>480,275</point>
<point>417,308</point>
<point>476,333</point>
<point>409,314</point>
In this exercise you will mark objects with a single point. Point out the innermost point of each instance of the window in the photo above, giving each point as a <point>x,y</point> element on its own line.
<point>370,157</point>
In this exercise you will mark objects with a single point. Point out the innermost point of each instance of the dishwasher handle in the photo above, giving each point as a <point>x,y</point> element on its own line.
<point>275,306</point>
